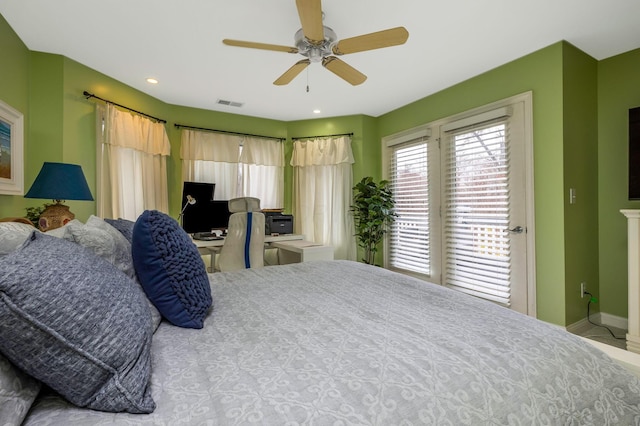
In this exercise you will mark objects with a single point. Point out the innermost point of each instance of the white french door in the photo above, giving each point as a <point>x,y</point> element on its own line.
<point>464,199</point>
<point>484,227</point>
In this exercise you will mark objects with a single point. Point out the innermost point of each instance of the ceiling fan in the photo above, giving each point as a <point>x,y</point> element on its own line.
<point>319,44</point>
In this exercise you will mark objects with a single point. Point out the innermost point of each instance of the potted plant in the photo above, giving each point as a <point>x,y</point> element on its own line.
<point>372,209</point>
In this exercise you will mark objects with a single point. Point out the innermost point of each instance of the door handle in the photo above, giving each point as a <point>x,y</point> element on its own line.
<point>516,230</point>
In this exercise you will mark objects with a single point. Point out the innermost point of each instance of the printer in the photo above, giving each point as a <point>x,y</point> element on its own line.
<point>278,223</point>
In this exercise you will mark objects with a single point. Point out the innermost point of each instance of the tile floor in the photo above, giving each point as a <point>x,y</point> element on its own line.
<point>601,334</point>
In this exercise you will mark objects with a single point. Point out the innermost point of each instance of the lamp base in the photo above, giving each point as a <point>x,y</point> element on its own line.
<point>55,216</point>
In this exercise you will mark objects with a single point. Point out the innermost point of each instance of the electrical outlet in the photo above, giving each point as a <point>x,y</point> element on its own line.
<point>583,289</point>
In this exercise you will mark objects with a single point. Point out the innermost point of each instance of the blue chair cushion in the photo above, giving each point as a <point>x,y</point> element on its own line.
<point>170,269</point>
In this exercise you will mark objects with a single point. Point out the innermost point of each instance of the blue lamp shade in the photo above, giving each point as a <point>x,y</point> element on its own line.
<point>60,181</point>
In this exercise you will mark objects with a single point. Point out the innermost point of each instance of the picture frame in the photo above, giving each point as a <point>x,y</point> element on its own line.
<point>11,150</point>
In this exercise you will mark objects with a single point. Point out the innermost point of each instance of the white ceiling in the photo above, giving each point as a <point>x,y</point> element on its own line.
<point>180,44</point>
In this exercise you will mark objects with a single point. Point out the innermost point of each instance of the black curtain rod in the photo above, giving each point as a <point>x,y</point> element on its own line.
<point>225,131</point>
<point>91,95</point>
<point>322,136</point>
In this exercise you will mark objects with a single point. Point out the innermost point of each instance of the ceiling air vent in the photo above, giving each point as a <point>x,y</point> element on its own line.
<point>229,103</point>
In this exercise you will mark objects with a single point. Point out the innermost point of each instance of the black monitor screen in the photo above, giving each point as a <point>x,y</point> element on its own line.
<point>197,217</point>
<point>220,214</point>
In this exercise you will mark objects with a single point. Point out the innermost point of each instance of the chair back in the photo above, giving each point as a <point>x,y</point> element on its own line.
<point>244,244</point>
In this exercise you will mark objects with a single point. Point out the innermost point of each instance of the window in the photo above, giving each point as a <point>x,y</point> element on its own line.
<point>132,157</point>
<point>477,248</point>
<point>240,166</point>
<point>410,244</point>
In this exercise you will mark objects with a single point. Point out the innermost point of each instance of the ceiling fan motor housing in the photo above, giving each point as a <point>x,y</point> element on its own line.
<point>315,51</point>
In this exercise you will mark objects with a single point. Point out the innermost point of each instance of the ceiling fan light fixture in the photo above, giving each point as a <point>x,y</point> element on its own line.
<point>315,51</point>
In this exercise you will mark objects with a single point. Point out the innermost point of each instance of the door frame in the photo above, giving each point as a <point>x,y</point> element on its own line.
<point>527,99</point>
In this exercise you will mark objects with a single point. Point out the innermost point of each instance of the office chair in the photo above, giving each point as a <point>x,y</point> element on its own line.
<point>244,244</point>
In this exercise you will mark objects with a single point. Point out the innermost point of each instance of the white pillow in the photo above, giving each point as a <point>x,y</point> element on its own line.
<point>12,235</point>
<point>104,241</point>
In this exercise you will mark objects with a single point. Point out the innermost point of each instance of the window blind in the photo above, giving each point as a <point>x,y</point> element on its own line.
<point>409,241</point>
<point>477,258</point>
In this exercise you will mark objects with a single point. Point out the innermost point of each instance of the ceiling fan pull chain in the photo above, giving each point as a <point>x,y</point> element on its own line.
<point>307,80</point>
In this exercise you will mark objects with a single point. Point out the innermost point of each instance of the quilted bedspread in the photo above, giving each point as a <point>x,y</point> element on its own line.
<point>342,343</point>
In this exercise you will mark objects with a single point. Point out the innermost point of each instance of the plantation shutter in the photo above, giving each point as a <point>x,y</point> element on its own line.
<point>477,255</point>
<point>410,239</point>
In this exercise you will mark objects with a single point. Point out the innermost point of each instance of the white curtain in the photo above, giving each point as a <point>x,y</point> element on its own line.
<point>132,161</point>
<point>240,166</point>
<point>322,193</point>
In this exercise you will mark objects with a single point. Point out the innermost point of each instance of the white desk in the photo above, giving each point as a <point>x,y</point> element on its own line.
<point>212,247</point>
<point>296,251</point>
<point>203,246</point>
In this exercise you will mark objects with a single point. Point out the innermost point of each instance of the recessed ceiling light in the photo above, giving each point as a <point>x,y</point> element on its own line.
<point>152,80</point>
<point>316,111</point>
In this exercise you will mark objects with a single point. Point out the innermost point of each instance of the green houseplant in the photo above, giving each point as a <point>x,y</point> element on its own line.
<point>372,209</point>
<point>33,214</point>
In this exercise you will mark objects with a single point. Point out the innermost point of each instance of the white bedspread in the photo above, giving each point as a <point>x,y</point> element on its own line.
<point>341,343</point>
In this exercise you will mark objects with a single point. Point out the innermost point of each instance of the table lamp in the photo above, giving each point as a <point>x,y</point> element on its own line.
<point>59,182</point>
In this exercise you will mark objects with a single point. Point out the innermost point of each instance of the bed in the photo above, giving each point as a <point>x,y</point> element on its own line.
<point>345,343</point>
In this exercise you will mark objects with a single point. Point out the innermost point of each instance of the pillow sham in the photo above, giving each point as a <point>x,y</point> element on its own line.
<point>17,393</point>
<point>124,226</point>
<point>12,235</point>
<point>108,243</point>
<point>76,323</point>
<point>105,241</point>
<point>122,256</point>
<point>171,270</point>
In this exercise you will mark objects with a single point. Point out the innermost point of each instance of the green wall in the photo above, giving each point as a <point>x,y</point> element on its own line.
<point>14,91</point>
<point>618,90</point>
<point>542,73</point>
<point>580,133</point>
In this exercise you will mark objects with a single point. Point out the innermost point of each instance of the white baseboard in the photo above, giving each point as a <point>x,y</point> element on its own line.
<point>581,326</point>
<point>614,321</point>
<point>599,318</point>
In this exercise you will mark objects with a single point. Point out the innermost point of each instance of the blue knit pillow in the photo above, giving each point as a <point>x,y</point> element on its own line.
<point>170,269</point>
<point>77,323</point>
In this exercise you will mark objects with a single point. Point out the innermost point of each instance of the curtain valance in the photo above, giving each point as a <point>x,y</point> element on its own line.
<point>262,152</point>
<point>322,152</point>
<point>133,131</point>
<point>221,147</point>
<point>208,146</point>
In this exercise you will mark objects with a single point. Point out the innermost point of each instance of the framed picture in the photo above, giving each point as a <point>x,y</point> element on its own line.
<point>11,151</point>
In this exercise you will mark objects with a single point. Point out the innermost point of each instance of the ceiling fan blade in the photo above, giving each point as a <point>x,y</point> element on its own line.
<point>292,72</point>
<point>310,12</point>
<point>263,46</point>
<point>343,70</point>
<point>377,40</point>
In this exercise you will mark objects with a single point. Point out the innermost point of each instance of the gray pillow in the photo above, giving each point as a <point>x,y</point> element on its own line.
<point>105,241</point>
<point>76,323</point>
<point>17,393</point>
<point>108,243</point>
<point>12,235</point>
<point>124,226</point>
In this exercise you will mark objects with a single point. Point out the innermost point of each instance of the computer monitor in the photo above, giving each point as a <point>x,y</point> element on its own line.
<point>196,216</point>
<point>219,214</point>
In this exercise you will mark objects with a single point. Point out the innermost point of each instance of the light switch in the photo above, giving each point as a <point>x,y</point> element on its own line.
<point>572,195</point>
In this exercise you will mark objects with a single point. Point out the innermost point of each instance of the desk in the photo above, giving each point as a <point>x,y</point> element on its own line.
<point>296,251</point>
<point>212,247</point>
<point>203,246</point>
